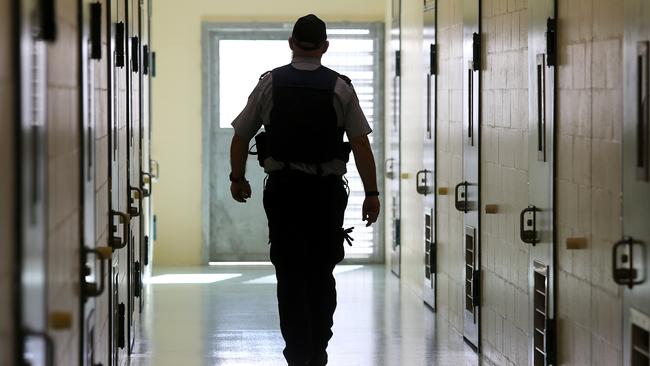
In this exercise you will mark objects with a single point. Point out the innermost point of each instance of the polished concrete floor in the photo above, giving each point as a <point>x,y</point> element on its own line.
<point>227,316</point>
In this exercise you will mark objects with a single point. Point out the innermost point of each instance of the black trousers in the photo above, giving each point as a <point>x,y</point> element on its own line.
<point>305,215</point>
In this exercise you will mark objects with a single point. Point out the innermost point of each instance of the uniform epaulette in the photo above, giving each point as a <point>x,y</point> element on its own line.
<point>264,75</point>
<point>346,79</point>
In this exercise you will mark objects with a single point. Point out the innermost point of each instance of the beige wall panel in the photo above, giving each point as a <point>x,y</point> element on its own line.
<point>177,99</point>
<point>7,189</point>
<point>63,181</point>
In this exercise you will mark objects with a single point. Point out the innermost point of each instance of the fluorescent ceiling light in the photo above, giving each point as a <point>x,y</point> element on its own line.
<point>191,278</point>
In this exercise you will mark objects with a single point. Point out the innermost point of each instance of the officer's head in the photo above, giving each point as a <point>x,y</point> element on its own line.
<point>309,37</point>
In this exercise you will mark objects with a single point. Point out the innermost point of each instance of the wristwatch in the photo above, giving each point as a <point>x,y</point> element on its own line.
<point>237,180</point>
<point>372,194</point>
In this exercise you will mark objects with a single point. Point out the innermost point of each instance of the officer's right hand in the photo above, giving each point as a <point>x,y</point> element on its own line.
<point>240,191</point>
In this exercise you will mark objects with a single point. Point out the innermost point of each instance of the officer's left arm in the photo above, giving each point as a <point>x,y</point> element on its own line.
<point>365,161</point>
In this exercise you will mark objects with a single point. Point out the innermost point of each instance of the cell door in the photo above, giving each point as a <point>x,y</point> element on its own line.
<point>135,194</point>
<point>426,178</point>
<point>631,261</point>
<point>146,179</point>
<point>36,20</point>
<point>92,274</point>
<point>119,221</point>
<point>392,168</point>
<point>537,219</point>
<point>468,191</point>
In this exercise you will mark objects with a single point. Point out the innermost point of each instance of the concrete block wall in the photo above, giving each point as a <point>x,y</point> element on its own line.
<point>589,122</point>
<point>7,166</point>
<point>504,169</point>
<point>63,186</point>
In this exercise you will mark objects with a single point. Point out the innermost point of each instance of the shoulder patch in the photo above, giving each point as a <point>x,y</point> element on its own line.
<point>264,75</point>
<point>346,79</point>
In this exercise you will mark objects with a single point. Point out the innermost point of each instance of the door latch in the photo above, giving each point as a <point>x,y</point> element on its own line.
<point>125,220</point>
<point>136,194</point>
<point>147,178</point>
<point>389,168</point>
<point>422,183</point>
<point>528,225</point>
<point>623,262</point>
<point>92,289</point>
<point>460,199</point>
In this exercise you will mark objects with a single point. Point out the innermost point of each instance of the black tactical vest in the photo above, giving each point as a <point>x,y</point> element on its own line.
<point>303,124</point>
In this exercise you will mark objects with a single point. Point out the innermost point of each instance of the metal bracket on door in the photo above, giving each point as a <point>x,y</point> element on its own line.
<point>49,345</point>
<point>137,282</point>
<point>528,227</point>
<point>147,178</point>
<point>89,289</point>
<point>422,185</point>
<point>625,273</point>
<point>461,205</point>
<point>135,52</point>
<point>388,168</point>
<point>119,44</point>
<point>136,194</point>
<point>96,31</point>
<point>47,27</point>
<point>125,220</point>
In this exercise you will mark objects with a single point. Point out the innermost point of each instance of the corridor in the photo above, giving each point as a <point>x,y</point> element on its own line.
<point>227,316</point>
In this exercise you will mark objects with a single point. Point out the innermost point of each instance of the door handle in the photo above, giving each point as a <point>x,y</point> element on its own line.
<point>422,185</point>
<point>147,178</point>
<point>49,345</point>
<point>461,205</point>
<point>125,220</point>
<point>89,289</point>
<point>627,274</point>
<point>388,168</point>
<point>136,194</point>
<point>528,229</point>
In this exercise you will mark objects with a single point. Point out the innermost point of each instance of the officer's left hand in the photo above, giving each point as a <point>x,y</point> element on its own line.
<point>370,210</point>
<point>240,191</point>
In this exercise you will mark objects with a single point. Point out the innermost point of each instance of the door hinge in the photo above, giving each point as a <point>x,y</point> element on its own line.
<point>476,52</point>
<point>398,63</point>
<point>551,42</point>
<point>119,44</point>
<point>550,342</point>
<point>433,59</point>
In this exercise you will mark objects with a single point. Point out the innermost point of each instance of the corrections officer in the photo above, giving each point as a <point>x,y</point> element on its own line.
<point>305,109</point>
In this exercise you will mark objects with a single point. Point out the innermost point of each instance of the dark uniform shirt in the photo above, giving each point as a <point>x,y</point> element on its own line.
<point>260,103</point>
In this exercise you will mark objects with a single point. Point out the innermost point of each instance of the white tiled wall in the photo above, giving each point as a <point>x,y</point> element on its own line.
<point>64,204</point>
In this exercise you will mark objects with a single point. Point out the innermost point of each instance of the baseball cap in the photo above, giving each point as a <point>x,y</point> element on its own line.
<point>309,32</point>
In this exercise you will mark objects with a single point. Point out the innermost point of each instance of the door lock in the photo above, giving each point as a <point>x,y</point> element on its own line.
<point>136,194</point>
<point>623,262</point>
<point>421,182</point>
<point>125,220</point>
<point>90,289</point>
<point>528,226</point>
<point>460,199</point>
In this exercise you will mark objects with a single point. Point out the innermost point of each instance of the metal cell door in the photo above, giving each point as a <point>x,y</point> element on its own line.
<point>92,276</point>
<point>36,21</point>
<point>537,219</point>
<point>426,178</point>
<point>146,179</point>
<point>119,220</point>
<point>392,168</point>
<point>135,194</point>
<point>467,195</point>
<point>631,261</point>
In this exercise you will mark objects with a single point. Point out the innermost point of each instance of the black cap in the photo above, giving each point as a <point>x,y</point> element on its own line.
<point>309,32</point>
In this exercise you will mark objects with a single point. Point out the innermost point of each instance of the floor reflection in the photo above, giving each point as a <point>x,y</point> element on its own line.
<point>227,316</point>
